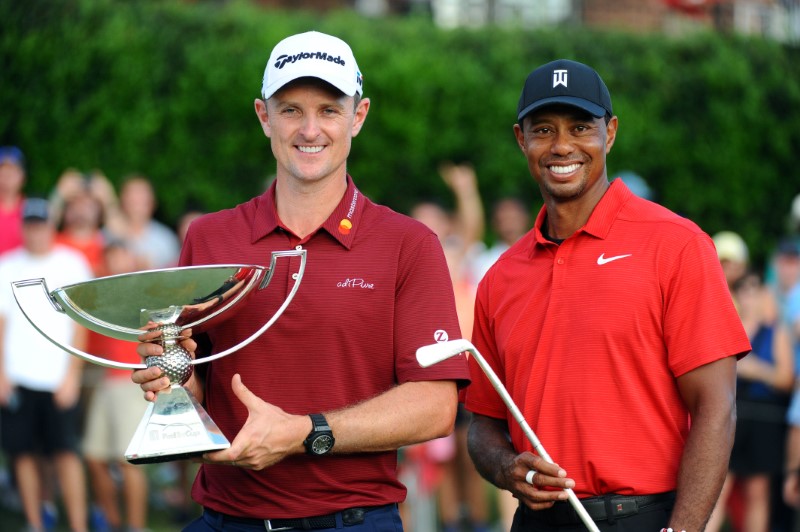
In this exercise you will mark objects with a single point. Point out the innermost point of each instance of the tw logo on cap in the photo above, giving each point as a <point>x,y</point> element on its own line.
<point>559,78</point>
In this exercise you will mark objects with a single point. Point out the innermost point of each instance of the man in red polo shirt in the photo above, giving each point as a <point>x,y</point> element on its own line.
<point>611,326</point>
<point>341,361</point>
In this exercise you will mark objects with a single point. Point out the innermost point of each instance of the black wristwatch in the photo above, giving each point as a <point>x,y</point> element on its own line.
<point>320,440</point>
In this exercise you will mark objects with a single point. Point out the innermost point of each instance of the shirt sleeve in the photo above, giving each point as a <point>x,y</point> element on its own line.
<point>425,313</point>
<point>701,324</point>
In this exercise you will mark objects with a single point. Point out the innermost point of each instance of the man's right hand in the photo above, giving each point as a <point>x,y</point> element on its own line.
<point>548,481</point>
<point>496,459</point>
<point>152,380</point>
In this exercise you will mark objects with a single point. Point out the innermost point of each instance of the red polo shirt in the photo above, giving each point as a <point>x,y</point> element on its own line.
<point>589,337</point>
<point>376,287</point>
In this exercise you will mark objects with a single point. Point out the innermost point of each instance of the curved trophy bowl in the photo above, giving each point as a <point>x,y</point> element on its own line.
<point>194,297</point>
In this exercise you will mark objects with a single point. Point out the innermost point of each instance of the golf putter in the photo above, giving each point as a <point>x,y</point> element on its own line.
<point>431,354</point>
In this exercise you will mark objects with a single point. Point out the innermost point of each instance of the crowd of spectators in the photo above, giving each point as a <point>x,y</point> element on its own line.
<point>66,424</point>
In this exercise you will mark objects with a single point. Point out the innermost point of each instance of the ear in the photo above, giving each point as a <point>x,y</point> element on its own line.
<point>520,135</point>
<point>360,116</point>
<point>263,116</point>
<point>611,133</point>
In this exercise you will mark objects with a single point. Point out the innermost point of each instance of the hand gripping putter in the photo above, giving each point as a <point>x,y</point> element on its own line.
<point>431,354</point>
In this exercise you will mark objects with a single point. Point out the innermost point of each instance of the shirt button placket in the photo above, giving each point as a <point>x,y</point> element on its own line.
<point>559,272</point>
<point>294,266</point>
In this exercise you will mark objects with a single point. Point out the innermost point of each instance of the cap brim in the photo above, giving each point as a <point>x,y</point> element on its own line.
<point>585,105</point>
<point>349,89</point>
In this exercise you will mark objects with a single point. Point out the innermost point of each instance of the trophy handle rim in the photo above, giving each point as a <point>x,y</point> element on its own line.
<point>61,298</point>
<point>22,290</point>
<point>298,277</point>
<point>24,304</point>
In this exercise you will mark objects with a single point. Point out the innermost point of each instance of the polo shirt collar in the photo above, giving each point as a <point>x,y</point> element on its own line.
<point>602,217</point>
<point>607,209</point>
<point>342,224</point>
<point>345,219</point>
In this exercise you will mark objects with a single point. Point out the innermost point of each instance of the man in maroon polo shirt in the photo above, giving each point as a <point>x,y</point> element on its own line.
<point>341,361</point>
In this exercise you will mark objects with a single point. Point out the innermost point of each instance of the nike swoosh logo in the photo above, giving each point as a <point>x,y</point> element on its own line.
<point>602,259</point>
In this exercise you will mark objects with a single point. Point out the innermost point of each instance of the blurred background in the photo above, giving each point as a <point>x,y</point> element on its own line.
<point>707,91</point>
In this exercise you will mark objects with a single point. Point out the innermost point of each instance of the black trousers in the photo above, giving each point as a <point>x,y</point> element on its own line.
<point>647,518</point>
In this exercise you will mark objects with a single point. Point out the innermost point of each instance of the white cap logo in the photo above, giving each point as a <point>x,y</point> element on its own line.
<point>559,78</point>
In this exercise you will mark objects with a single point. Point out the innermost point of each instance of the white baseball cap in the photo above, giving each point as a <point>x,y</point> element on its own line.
<point>730,246</point>
<point>312,54</point>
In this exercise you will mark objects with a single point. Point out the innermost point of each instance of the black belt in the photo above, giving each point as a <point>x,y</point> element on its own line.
<point>605,508</point>
<point>351,516</point>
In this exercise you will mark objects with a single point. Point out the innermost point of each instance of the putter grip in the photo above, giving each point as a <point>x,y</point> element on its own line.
<point>429,355</point>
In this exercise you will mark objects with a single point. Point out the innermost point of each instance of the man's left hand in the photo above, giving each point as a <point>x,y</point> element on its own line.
<point>268,436</point>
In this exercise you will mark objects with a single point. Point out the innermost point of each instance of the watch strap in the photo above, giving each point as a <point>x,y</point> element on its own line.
<point>318,423</point>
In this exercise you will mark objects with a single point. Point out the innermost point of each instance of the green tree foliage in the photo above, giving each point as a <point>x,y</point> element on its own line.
<point>167,88</point>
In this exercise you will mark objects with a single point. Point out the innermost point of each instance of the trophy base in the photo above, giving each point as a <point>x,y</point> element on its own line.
<point>174,427</point>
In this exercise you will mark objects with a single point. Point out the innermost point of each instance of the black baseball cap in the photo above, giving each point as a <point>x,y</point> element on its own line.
<point>568,83</point>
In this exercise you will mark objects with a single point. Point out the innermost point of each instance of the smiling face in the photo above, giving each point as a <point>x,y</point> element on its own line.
<point>311,126</point>
<point>566,150</point>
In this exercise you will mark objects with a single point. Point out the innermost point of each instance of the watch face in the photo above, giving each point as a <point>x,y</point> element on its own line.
<point>322,444</point>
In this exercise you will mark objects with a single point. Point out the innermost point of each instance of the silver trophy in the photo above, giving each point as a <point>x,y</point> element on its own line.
<point>175,426</point>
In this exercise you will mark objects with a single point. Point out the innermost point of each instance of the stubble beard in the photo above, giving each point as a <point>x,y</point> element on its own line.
<point>563,192</point>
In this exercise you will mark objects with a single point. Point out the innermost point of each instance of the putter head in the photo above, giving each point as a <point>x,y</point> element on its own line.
<point>428,355</point>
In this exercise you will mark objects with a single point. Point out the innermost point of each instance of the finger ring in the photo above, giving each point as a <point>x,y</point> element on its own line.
<point>233,463</point>
<point>529,476</point>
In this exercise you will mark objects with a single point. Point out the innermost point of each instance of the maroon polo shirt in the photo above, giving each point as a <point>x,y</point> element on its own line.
<point>376,287</point>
